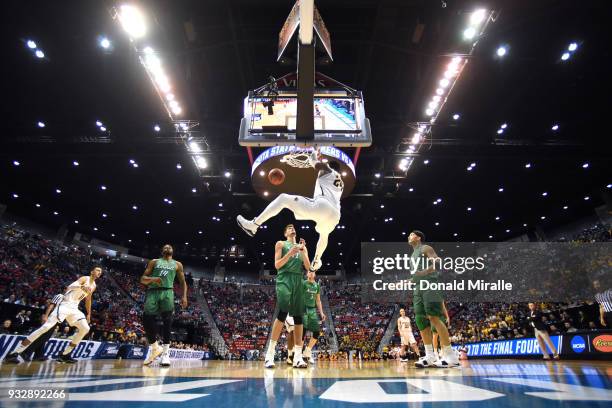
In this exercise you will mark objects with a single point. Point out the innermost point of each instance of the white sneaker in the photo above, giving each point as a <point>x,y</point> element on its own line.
<point>165,360</point>
<point>316,265</point>
<point>248,226</point>
<point>290,359</point>
<point>155,352</point>
<point>447,361</point>
<point>300,364</point>
<point>404,359</point>
<point>425,362</point>
<point>269,363</point>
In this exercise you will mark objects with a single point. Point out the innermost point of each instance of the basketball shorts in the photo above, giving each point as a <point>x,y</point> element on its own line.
<point>427,303</point>
<point>290,293</point>
<point>319,209</point>
<point>407,337</point>
<point>289,324</point>
<point>311,320</point>
<point>443,320</point>
<point>159,301</point>
<point>66,311</point>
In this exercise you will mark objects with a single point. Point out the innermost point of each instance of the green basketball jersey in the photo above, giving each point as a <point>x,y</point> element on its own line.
<point>311,290</point>
<point>419,263</point>
<point>294,264</point>
<point>166,270</point>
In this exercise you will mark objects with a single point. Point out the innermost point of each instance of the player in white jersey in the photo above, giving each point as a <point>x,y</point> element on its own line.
<point>405,330</point>
<point>68,309</point>
<point>323,208</point>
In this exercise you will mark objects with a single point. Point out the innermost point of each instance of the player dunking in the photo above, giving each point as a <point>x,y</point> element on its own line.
<point>323,208</point>
<point>428,309</point>
<point>405,330</point>
<point>289,260</point>
<point>159,279</point>
<point>68,309</point>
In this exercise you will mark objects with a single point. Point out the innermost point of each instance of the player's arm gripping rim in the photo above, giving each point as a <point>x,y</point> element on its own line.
<point>146,279</point>
<point>305,258</point>
<point>279,259</point>
<point>181,277</point>
<point>431,254</point>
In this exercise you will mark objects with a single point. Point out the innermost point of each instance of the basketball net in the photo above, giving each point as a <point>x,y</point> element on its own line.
<point>299,158</point>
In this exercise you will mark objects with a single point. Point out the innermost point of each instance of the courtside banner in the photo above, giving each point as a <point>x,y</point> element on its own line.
<point>108,350</point>
<point>500,348</point>
<point>86,350</point>
<point>509,272</point>
<point>593,343</point>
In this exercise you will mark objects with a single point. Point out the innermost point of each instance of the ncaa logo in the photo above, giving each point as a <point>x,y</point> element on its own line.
<point>578,344</point>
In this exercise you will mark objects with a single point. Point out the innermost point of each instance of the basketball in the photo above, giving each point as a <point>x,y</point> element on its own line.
<point>276,176</point>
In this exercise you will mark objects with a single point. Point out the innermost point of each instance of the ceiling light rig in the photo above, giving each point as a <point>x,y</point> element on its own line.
<point>477,23</point>
<point>134,22</point>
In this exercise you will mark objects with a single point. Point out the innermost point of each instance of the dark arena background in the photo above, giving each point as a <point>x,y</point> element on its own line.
<point>145,258</point>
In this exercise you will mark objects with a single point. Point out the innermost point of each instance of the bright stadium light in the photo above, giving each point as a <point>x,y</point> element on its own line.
<point>201,162</point>
<point>41,124</point>
<point>440,91</point>
<point>572,47</point>
<point>565,56</point>
<point>132,21</point>
<point>416,138</point>
<point>555,127</point>
<point>469,33</point>
<point>478,16</point>
<point>105,43</point>
<point>429,112</point>
<point>31,44</point>
<point>194,147</point>
<point>456,116</point>
<point>502,51</point>
<point>156,128</point>
<point>39,54</point>
<point>444,82</point>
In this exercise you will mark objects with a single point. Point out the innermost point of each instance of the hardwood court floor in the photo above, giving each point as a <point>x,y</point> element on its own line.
<point>484,383</point>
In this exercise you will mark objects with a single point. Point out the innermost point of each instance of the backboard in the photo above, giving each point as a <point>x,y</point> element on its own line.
<point>270,115</point>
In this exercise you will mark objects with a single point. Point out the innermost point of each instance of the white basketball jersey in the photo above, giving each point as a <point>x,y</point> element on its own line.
<point>75,293</point>
<point>330,186</point>
<point>403,324</point>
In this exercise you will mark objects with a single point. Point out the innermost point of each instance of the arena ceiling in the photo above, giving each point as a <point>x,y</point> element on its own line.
<point>550,166</point>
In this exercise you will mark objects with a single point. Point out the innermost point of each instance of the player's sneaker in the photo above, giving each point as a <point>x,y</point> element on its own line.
<point>248,226</point>
<point>290,359</point>
<point>300,364</point>
<point>447,360</point>
<point>316,265</point>
<point>445,363</point>
<point>12,358</point>
<point>269,363</point>
<point>165,360</point>
<point>425,362</point>
<point>66,359</point>
<point>404,359</point>
<point>156,351</point>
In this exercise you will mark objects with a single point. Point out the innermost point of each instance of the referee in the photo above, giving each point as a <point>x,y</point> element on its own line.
<point>604,298</point>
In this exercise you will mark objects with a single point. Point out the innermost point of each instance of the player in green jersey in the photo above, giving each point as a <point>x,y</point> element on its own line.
<point>290,259</point>
<point>312,293</point>
<point>159,301</point>
<point>428,305</point>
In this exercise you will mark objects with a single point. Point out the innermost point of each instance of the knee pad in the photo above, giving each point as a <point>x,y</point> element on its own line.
<point>298,320</point>
<point>421,321</point>
<point>283,315</point>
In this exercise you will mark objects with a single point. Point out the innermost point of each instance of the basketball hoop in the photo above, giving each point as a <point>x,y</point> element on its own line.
<point>298,158</point>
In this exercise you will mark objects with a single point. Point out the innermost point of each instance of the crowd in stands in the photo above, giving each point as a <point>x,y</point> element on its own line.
<point>359,325</point>
<point>243,313</point>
